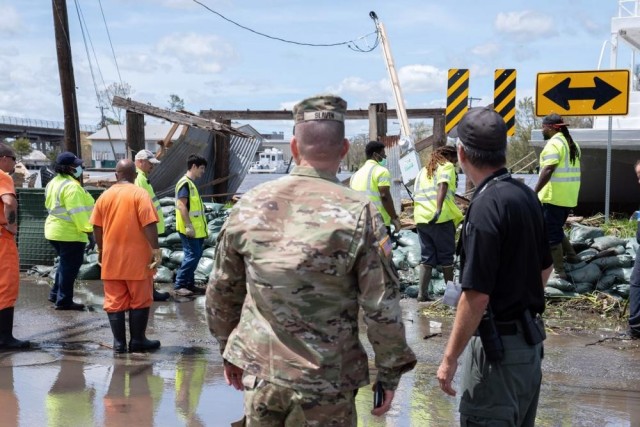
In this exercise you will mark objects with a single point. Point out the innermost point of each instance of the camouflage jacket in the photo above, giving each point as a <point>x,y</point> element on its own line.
<point>295,260</point>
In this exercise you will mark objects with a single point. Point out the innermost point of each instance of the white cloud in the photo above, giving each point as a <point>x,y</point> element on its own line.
<point>486,50</point>
<point>10,21</point>
<point>525,24</point>
<point>197,53</point>
<point>422,78</point>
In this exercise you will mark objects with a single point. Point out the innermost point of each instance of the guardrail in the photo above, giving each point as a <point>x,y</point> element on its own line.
<point>46,124</point>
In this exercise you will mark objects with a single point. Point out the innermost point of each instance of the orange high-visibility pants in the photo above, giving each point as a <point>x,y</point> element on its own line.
<point>9,270</point>
<point>123,295</point>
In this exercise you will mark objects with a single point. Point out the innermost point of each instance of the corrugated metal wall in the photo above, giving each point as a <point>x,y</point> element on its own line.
<point>198,141</point>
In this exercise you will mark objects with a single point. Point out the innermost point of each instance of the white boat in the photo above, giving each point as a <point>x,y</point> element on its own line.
<point>625,140</point>
<point>270,160</point>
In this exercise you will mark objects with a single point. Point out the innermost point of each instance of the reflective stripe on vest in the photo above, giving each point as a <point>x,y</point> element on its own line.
<point>58,210</point>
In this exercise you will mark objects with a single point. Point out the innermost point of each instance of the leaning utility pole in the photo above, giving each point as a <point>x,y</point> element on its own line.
<point>67,81</point>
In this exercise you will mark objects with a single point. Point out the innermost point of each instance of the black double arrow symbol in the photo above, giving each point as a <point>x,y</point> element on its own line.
<point>601,93</point>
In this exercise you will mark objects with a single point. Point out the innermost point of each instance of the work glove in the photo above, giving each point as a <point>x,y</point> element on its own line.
<point>435,218</point>
<point>396,225</point>
<point>189,231</point>
<point>156,258</point>
<point>91,245</point>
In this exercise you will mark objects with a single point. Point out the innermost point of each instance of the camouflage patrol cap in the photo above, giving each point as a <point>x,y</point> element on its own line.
<point>320,107</point>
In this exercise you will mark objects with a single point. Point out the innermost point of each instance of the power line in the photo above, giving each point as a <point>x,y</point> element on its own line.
<point>351,44</point>
<point>110,43</point>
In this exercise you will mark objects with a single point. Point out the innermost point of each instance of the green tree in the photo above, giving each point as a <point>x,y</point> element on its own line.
<point>105,97</point>
<point>22,147</point>
<point>175,102</point>
<point>520,154</point>
<point>420,130</point>
<point>356,155</point>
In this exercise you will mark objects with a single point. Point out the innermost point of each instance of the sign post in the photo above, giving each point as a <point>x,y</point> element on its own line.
<point>585,93</point>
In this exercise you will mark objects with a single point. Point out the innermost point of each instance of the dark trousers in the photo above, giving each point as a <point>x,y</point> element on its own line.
<point>634,296</point>
<point>71,257</point>
<point>554,218</point>
<point>192,249</point>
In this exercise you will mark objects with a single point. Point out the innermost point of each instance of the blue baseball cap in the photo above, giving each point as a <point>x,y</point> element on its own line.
<point>67,158</point>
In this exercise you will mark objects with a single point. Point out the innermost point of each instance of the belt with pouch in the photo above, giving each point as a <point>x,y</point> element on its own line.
<point>505,328</point>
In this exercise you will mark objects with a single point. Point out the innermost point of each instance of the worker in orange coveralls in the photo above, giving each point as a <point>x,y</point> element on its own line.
<point>124,221</point>
<point>9,264</point>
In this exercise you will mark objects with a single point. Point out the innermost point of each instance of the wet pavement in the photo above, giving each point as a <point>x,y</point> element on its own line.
<point>71,377</point>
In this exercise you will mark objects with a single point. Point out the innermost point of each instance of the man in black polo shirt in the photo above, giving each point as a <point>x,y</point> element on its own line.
<point>505,263</point>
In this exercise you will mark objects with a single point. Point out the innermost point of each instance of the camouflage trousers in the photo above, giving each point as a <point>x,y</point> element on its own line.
<point>267,404</point>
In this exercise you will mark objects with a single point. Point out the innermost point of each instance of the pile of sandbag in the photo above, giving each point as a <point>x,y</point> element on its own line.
<point>170,244</point>
<point>605,264</point>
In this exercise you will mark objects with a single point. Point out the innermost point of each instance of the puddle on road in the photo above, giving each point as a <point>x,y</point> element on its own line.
<point>147,391</point>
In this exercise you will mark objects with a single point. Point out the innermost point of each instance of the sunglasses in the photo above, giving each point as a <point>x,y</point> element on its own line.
<point>10,157</point>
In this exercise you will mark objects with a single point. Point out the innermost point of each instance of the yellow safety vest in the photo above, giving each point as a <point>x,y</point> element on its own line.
<point>69,206</point>
<point>564,185</point>
<point>367,180</point>
<point>143,182</point>
<point>196,210</point>
<point>425,196</point>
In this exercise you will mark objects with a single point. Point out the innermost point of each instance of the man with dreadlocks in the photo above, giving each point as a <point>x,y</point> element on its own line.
<point>558,187</point>
<point>436,216</point>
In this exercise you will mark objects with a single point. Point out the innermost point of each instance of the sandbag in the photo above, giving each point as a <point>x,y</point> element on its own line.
<point>215,208</point>
<point>551,292</point>
<point>163,275</point>
<point>572,267</point>
<point>438,286</point>
<point>89,271</point>
<point>589,273</point>
<point>606,242</point>
<point>205,265</point>
<point>210,240</point>
<point>399,260</point>
<point>40,270</point>
<point>167,210</point>
<point>605,283</point>
<point>413,258</point>
<point>407,277</point>
<point>608,262</point>
<point>176,257</point>
<point>584,287</point>
<point>561,284</point>
<point>200,278</point>
<point>166,254</point>
<point>620,249</point>
<point>412,291</point>
<point>91,258</point>
<point>167,201</point>
<point>621,274</point>
<point>582,233</point>
<point>622,290</point>
<point>173,239</point>
<point>626,260</point>
<point>209,253</point>
<point>408,238</point>
<point>587,254</point>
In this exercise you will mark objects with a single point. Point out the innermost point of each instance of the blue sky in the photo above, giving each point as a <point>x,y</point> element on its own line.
<point>177,46</point>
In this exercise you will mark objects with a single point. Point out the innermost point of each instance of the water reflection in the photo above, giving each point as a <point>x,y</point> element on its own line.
<point>8,399</point>
<point>70,400</point>
<point>128,400</point>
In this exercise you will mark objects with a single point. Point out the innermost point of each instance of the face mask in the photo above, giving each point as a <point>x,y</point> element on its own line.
<point>383,162</point>
<point>77,172</point>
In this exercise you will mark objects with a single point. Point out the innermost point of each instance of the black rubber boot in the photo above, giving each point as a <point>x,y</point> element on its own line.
<point>425,281</point>
<point>569,252</point>
<point>558,261</point>
<point>447,272</point>
<point>138,319</point>
<point>160,296</point>
<point>7,341</point>
<point>119,330</point>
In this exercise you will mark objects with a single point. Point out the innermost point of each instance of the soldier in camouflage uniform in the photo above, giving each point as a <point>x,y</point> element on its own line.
<point>296,260</point>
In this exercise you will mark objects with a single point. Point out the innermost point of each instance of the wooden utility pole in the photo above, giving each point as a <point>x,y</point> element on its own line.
<point>71,140</point>
<point>377,121</point>
<point>135,134</point>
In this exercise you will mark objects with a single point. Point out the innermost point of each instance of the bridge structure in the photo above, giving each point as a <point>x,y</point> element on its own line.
<point>45,134</point>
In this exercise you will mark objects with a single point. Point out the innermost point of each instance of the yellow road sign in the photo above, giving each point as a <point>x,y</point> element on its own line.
<point>504,97</point>
<point>583,93</point>
<point>457,97</point>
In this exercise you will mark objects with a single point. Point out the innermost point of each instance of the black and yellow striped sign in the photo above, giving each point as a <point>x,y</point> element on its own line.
<point>504,97</point>
<point>457,97</point>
